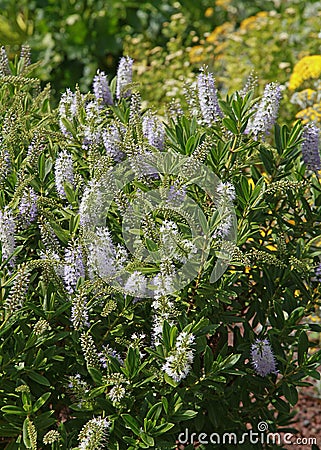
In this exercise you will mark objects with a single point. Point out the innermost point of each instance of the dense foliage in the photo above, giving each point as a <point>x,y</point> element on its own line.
<point>202,322</point>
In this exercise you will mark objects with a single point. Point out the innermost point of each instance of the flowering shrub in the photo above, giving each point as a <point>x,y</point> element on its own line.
<point>155,276</point>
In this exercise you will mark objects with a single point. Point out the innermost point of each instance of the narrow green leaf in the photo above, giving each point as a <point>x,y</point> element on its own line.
<point>303,346</point>
<point>38,378</point>
<point>41,401</point>
<point>131,423</point>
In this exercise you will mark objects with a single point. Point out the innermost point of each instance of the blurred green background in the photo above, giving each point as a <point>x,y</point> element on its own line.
<point>169,40</point>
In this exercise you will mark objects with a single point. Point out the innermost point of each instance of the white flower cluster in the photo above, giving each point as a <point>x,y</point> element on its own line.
<point>116,393</point>
<point>7,235</point>
<point>67,110</point>
<point>91,207</point>
<point>262,121</point>
<point>153,130</point>
<point>74,266</point>
<point>226,195</point>
<point>207,96</point>
<point>64,172</point>
<point>93,434</point>
<point>178,363</point>
<point>124,77</point>
<point>112,139</point>
<point>136,284</point>
<point>91,131</point>
<point>104,258</point>
<point>173,246</point>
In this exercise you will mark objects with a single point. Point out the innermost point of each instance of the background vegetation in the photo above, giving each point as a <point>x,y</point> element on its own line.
<point>56,371</point>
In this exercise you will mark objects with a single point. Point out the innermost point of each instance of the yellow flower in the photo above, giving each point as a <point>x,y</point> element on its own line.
<point>209,12</point>
<point>223,3</point>
<point>220,31</point>
<point>196,54</point>
<point>307,68</point>
<point>310,114</point>
<point>253,22</point>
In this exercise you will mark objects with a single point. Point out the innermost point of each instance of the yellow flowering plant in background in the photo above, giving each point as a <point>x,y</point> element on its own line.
<point>269,43</point>
<point>305,81</point>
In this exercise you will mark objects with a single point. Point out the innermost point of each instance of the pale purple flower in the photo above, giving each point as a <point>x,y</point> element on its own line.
<point>91,206</point>
<point>35,148</point>
<point>318,272</point>
<point>310,147</point>
<point>207,97</point>
<point>101,88</point>
<point>226,191</point>
<point>106,352</point>
<point>25,55</point>
<point>5,161</point>
<point>266,113</point>
<point>112,139</point>
<point>250,85</point>
<point>91,131</point>
<point>7,235</point>
<point>104,258</point>
<point>175,110</point>
<point>4,62</point>
<point>74,266</point>
<point>262,358</point>
<point>92,136</point>
<point>64,172</point>
<point>28,206</point>
<point>176,195</point>
<point>124,77</point>
<point>67,110</point>
<point>225,196</point>
<point>153,130</point>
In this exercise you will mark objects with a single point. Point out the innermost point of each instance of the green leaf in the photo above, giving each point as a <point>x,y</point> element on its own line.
<point>131,423</point>
<point>95,374</point>
<point>11,409</point>
<point>161,429</point>
<point>132,361</point>
<point>38,378</point>
<point>25,434</point>
<point>167,335</point>
<point>186,415</point>
<point>303,347</point>
<point>70,193</point>
<point>41,401</point>
<point>208,359</point>
<point>229,362</point>
<point>41,166</point>
<point>290,393</point>
<point>155,411</point>
<point>230,125</point>
<point>267,158</point>
<point>147,439</point>
<point>62,234</point>
<point>170,380</point>
<point>151,245</point>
